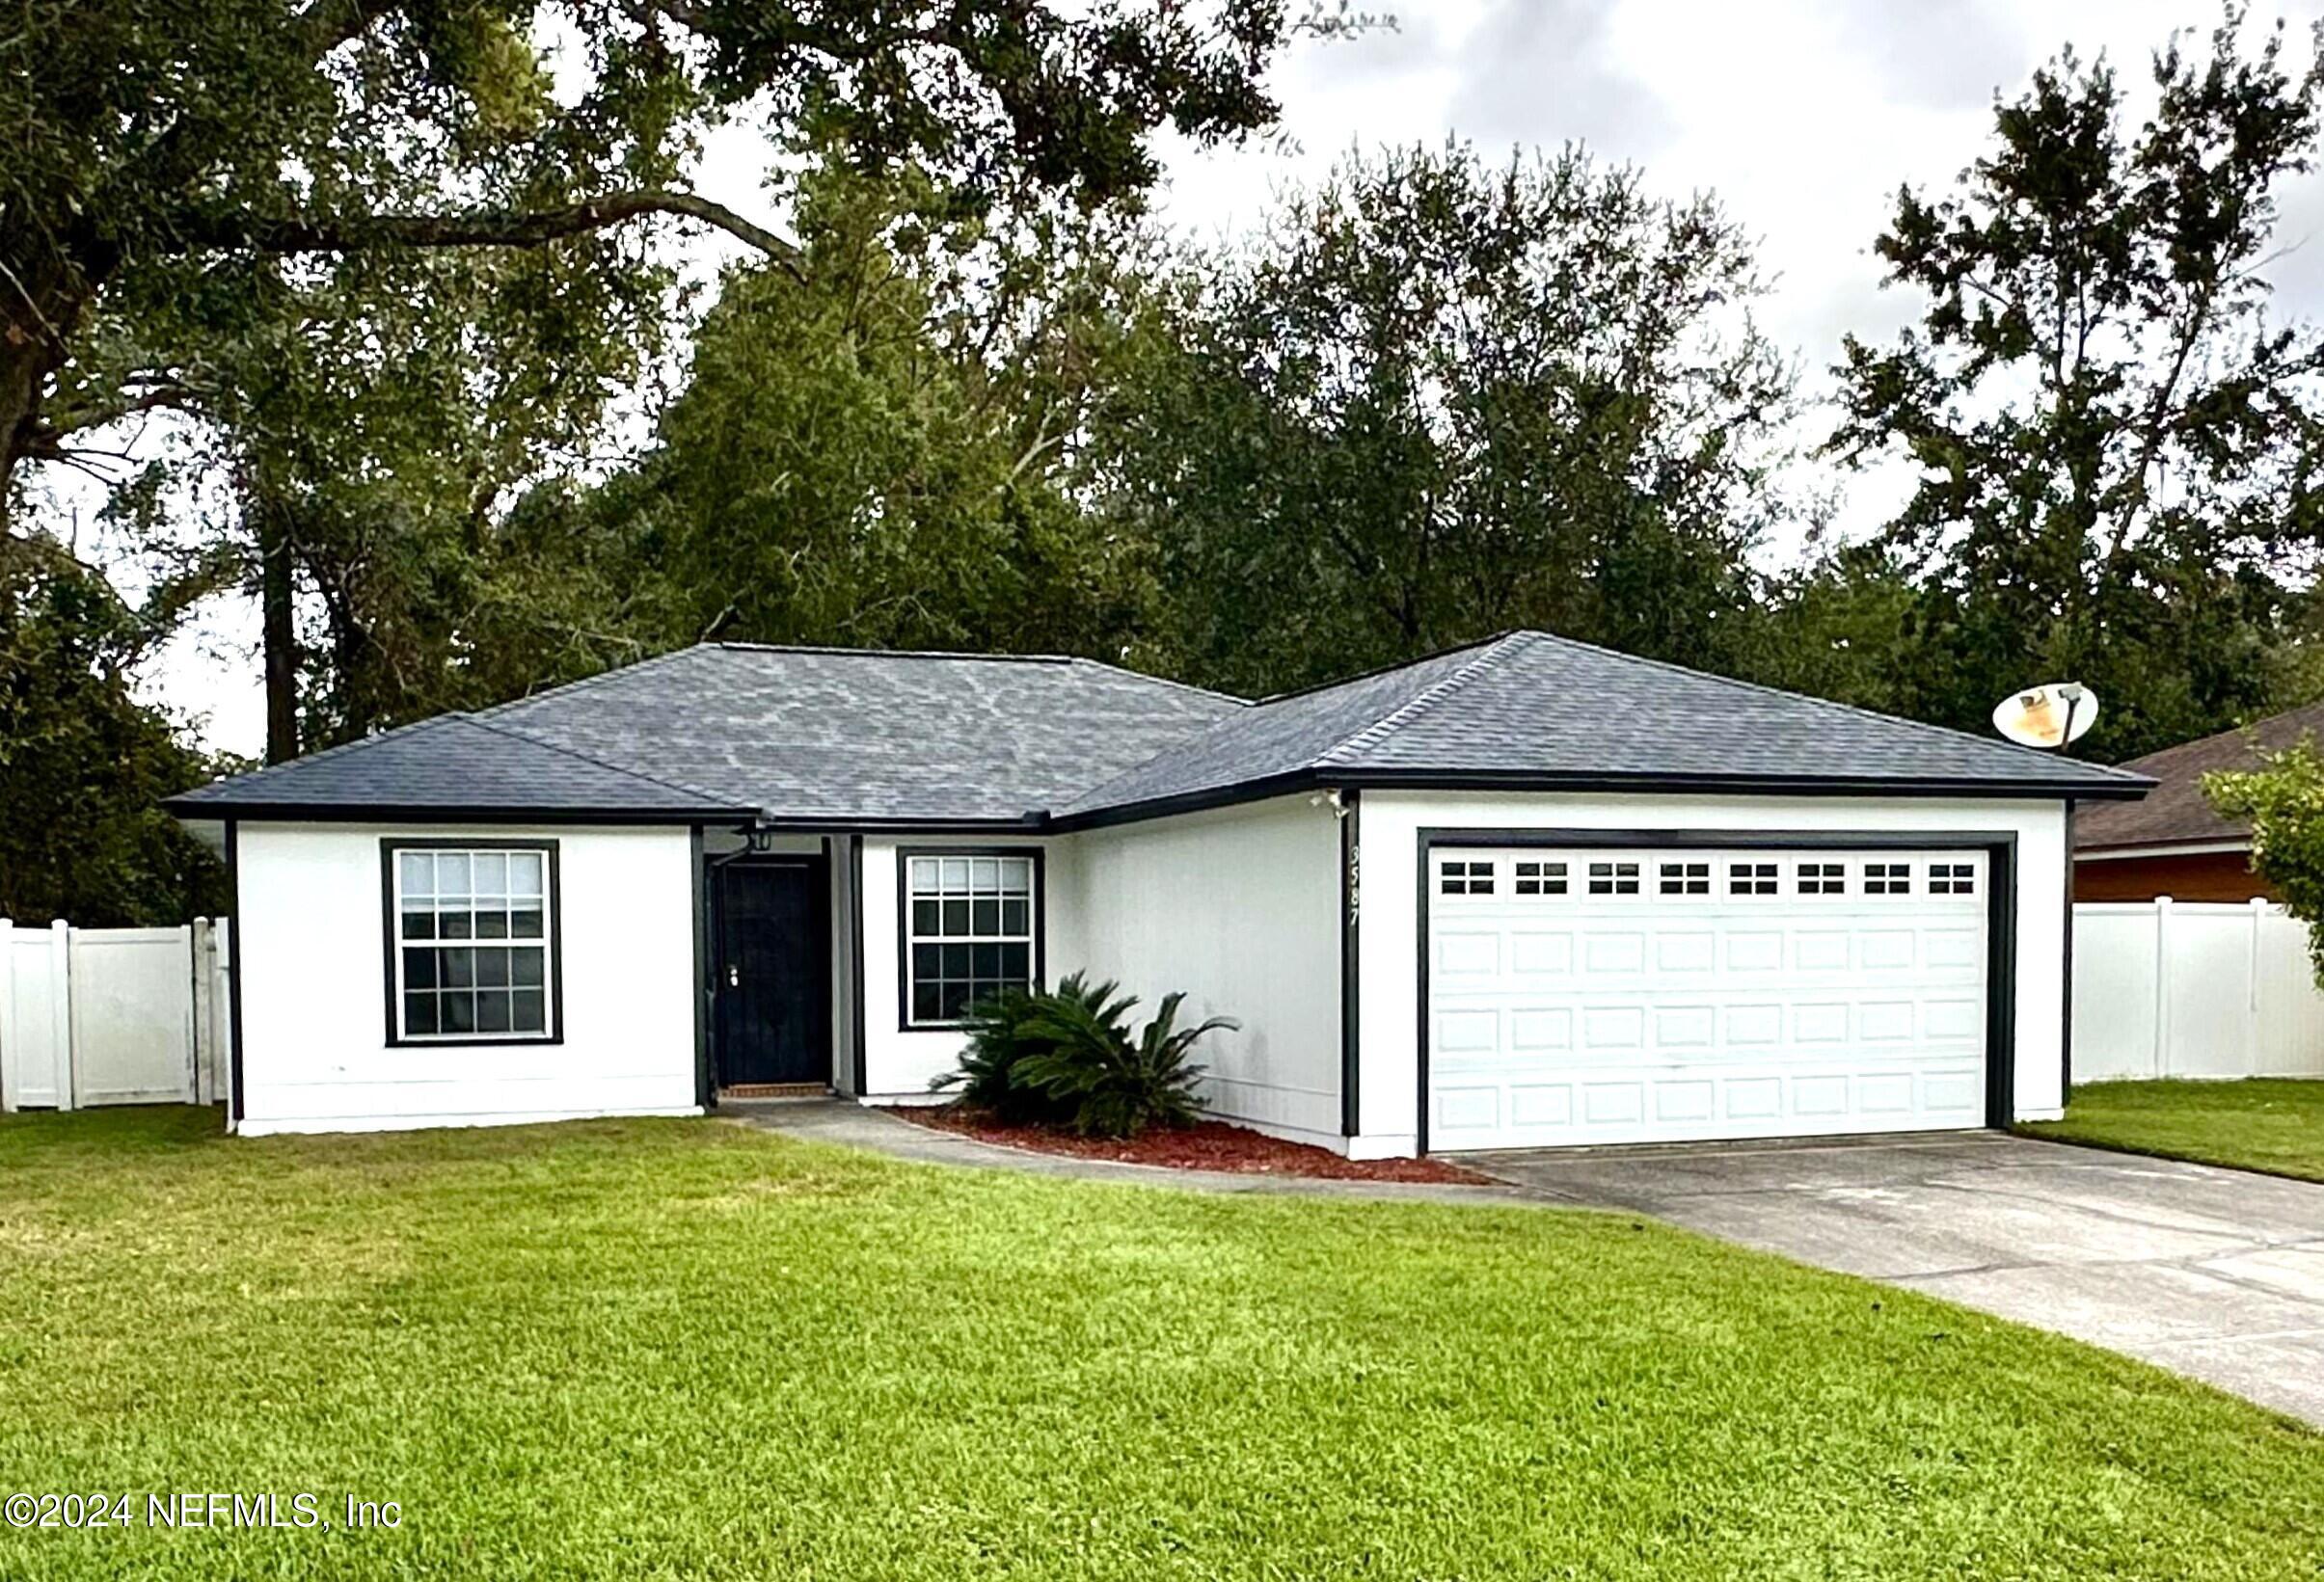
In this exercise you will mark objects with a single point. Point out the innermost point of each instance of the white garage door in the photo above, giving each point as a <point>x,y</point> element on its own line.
<point>1596,996</point>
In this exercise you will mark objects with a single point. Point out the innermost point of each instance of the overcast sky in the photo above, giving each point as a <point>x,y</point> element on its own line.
<point>1804,117</point>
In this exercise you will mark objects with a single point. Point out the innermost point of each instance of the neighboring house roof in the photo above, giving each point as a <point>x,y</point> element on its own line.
<point>848,738</point>
<point>452,762</point>
<point>2177,814</point>
<point>1530,710</point>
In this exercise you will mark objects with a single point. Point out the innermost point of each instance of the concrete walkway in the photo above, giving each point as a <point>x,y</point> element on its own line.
<point>2214,1274</point>
<point>838,1121</point>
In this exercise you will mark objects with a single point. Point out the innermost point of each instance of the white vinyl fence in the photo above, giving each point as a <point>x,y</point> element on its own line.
<point>2167,988</point>
<point>93,1016</point>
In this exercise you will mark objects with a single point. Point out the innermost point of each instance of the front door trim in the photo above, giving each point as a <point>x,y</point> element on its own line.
<point>817,945</point>
<point>2000,847</point>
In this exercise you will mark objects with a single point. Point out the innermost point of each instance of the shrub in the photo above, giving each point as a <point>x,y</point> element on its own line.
<point>1110,1083</point>
<point>1000,1036</point>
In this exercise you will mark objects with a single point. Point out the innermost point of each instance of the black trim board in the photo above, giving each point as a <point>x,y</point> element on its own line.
<point>1351,963</point>
<point>2001,917</point>
<point>234,975</point>
<point>855,949</point>
<point>1320,778</point>
<point>706,1086</point>
<point>1041,921</point>
<point>388,846</point>
<point>428,813</point>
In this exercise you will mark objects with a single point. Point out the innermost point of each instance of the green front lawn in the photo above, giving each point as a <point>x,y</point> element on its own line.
<point>683,1349</point>
<point>2266,1124</point>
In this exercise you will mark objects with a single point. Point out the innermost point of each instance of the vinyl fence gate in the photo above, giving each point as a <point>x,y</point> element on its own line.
<point>92,1017</point>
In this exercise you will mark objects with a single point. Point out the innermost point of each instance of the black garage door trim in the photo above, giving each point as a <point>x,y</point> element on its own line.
<point>2001,915</point>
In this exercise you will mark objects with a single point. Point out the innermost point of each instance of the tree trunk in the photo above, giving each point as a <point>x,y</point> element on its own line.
<point>278,632</point>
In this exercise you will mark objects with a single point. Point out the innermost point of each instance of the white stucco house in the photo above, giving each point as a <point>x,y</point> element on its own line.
<point>1528,893</point>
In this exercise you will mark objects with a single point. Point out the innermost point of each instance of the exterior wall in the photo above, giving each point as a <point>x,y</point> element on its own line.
<point>1390,949</point>
<point>314,1050</point>
<point>2197,876</point>
<point>900,1063</point>
<point>1240,908</point>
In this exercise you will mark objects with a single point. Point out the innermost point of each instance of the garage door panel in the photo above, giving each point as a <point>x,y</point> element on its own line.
<point>1719,994</point>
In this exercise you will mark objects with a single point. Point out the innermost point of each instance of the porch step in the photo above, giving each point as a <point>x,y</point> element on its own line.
<point>776,1091</point>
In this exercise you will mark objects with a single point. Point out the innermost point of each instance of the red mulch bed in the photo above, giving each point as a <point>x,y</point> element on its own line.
<point>1212,1145</point>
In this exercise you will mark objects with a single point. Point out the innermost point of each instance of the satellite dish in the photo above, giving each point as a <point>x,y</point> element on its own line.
<point>2047,716</point>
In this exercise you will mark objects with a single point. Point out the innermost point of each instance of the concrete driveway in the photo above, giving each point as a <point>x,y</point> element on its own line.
<point>2216,1274</point>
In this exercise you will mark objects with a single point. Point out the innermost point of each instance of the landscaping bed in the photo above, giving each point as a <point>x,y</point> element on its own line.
<point>1210,1146</point>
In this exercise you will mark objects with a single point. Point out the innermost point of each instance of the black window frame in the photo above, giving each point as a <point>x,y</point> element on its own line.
<point>906,1022</point>
<point>390,943</point>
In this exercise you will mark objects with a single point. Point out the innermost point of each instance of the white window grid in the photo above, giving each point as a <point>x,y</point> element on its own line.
<point>970,925</point>
<point>473,944</point>
<point>1751,879</point>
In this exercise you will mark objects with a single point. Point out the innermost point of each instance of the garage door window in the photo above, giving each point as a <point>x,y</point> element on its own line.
<point>1824,878</point>
<point>1888,878</point>
<point>1951,879</point>
<point>1686,878</point>
<point>1540,878</point>
<point>1466,879</point>
<point>1750,878</point>
<point>1613,878</point>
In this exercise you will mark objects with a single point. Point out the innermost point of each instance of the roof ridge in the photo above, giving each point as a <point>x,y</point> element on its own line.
<point>1313,688</point>
<point>531,741</point>
<point>583,682</point>
<point>1834,703</point>
<point>894,652</point>
<point>1420,701</point>
<point>1163,681</point>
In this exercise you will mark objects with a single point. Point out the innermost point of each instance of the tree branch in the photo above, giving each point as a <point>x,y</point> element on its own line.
<point>481,228</point>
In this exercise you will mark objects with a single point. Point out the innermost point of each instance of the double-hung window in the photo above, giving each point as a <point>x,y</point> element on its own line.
<point>472,943</point>
<point>971,928</point>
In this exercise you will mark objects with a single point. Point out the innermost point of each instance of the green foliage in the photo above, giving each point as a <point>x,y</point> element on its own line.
<point>1436,398</point>
<point>2117,442</point>
<point>1004,1030</point>
<point>873,449</point>
<point>83,763</point>
<point>1110,1083</point>
<point>2284,802</point>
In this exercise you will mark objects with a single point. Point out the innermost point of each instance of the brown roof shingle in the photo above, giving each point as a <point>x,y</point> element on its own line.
<point>2175,812</point>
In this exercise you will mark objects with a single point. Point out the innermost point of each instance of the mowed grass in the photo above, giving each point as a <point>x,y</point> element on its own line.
<point>685,1348</point>
<point>2264,1123</point>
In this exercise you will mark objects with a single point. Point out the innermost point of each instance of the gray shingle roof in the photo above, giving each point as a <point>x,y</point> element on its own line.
<point>1537,709</point>
<point>847,737</point>
<point>2178,812</point>
<point>449,763</point>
